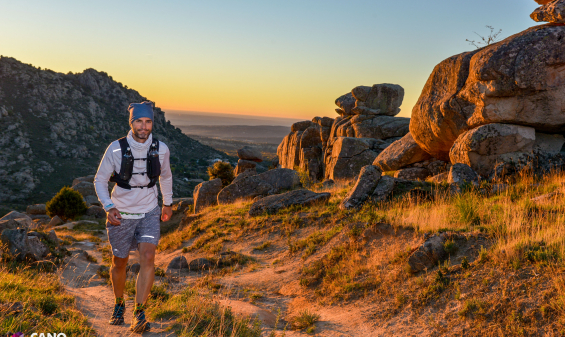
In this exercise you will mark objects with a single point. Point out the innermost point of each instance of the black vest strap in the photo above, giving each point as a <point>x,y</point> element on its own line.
<point>126,171</point>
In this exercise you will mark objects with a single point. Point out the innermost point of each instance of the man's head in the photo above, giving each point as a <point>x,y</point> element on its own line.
<point>141,119</point>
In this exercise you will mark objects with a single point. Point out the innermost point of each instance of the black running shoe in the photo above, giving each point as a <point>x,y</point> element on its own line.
<point>118,315</point>
<point>139,324</point>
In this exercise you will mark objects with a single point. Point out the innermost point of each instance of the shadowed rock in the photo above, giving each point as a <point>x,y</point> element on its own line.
<point>401,153</point>
<point>483,147</point>
<point>345,103</point>
<point>243,166</point>
<point>380,99</point>
<point>206,194</point>
<point>384,189</point>
<point>281,179</point>
<point>349,155</point>
<point>37,209</point>
<point>273,203</point>
<point>364,187</point>
<point>199,264</point>
<point>370,126</point>
<point>428,255</point>
<point>178,262</point>
<point>460,174</point>
<point>412,173</point>
<point>15,244</point>
<point>246,188</point>
<point>249,153</point>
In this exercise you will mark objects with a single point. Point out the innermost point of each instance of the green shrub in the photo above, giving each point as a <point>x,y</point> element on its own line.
<point>67,204</point>
<point>223,171</point>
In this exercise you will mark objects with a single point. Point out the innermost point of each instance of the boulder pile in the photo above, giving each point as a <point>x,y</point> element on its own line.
<point>372,185</point>
<point>247,185</point>
<point>248,159</point>
<point>337,149</point>
<point>497,106</point>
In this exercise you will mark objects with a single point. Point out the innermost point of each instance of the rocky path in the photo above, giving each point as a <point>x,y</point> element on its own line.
<point>94,297</point>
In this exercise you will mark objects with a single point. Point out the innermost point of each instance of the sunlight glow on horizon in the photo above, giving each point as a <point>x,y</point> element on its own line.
<point>288,59</point>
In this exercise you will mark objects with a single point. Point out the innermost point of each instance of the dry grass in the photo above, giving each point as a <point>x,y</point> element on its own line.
<point>32,301</point>
<point>504,275</point>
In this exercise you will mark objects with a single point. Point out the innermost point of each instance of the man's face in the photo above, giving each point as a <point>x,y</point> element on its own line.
<point>142,127</point>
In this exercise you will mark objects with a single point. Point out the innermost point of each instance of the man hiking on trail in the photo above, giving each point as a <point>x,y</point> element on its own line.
<point>135,163</point>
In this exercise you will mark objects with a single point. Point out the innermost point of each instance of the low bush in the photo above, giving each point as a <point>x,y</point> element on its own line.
<point>223,171</point>
<point>68,204</point>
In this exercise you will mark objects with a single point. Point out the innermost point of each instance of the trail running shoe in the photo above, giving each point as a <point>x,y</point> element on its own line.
<point>139,324</point>
<point>118,315</point>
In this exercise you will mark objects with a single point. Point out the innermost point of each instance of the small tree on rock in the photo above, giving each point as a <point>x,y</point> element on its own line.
<point>223,171</point>
<point>67,204</point>
<point>485,40</point>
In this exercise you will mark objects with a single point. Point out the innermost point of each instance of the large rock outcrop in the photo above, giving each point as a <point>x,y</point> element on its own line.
<point>519,81</point>
<point>338,148</point>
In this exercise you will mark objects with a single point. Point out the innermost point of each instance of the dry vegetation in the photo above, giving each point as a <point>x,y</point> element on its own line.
<point>503,276</point>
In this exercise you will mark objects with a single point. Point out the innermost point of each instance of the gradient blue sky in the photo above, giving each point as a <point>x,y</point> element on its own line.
<point>273,58</point>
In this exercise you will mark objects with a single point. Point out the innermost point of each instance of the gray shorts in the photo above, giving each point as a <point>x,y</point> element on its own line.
<point>125,237</point>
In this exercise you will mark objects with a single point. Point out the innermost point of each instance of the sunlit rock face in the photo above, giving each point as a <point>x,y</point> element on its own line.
<point>338,148</point>
<point>520,80</point>
<point>551,11</point>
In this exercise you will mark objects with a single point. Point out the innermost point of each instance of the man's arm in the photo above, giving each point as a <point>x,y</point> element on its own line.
<point>166,183</point>
<point>105,170</point>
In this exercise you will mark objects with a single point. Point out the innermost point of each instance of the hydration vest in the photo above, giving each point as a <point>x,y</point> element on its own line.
<point>126,170</point>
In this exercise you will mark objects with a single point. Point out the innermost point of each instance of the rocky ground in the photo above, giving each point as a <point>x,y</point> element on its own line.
<point>415,264</point>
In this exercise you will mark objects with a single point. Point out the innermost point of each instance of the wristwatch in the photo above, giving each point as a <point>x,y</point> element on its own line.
<point>167,205</point>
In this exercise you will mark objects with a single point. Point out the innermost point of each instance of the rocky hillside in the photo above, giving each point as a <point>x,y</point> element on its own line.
<point>57,126</point>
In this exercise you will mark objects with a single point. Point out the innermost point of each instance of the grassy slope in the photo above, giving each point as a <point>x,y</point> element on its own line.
<point>504,274</point>
<point>45,305</point>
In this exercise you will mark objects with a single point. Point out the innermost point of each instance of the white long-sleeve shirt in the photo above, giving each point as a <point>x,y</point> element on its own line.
<point>136,200</point>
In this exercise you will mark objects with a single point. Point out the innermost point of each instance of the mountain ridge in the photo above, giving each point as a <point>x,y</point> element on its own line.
<point>59,125</point>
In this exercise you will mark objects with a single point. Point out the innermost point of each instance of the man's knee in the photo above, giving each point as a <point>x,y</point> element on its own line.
<point>119,263</point>
<point>147,256</point>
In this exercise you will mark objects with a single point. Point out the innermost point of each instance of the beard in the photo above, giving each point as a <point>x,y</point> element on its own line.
<point>143,135</point>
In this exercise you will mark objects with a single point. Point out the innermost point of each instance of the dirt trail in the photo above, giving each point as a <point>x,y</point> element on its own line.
<point>95,298</point>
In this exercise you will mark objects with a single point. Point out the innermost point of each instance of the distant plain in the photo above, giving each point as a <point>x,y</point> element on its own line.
<point>227,132</point>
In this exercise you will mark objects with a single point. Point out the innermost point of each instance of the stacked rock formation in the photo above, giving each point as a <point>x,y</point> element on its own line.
<point>338,148</point>
<point>550,11</point>
<point>495,107</point>
<point>248,159</point>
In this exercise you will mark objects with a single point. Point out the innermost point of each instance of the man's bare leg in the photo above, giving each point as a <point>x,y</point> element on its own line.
<point>146,272</point>
<point>118,275</point>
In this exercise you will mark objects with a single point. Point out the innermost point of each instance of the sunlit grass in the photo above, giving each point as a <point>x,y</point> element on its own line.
<point>44,305</point>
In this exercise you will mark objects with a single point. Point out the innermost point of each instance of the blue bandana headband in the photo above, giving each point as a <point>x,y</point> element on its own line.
<point>140,110</point>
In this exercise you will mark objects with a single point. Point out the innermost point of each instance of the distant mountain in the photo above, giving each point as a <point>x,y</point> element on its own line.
<point>56,127</point>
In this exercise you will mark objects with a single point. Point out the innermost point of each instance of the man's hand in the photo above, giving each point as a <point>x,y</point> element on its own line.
<point>114,217</point>
<point>167,213</point>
